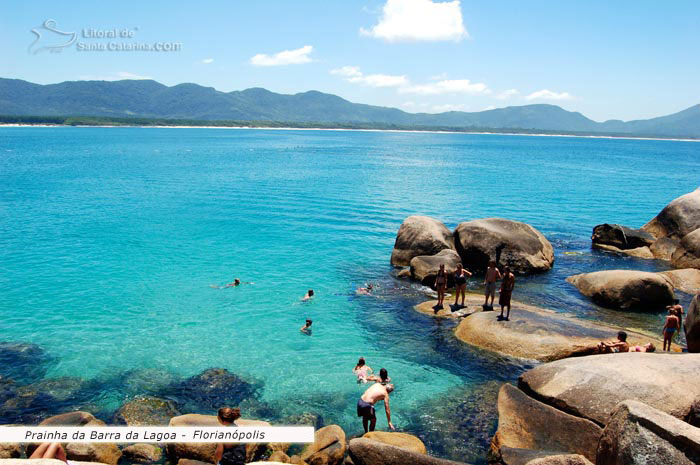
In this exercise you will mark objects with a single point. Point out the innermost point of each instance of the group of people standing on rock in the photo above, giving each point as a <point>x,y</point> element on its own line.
<point>492,276</point>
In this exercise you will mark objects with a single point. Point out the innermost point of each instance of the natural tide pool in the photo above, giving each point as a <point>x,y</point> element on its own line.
<point>110,240</point>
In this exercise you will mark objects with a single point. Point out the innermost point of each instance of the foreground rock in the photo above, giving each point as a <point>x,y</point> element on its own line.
<point>687,254</point>
<point>692,325</point>
<point>591,387</point>
<point>44,462</point>
<point>365,451</point>
<point>10,450</point>
<point>420,235</point>
<point>678,218</point>
<point>641,435</point>
<point>142,453</point>
<point>518,245</point>
<point>525,423</point>
<point>537,334</point>
<point>625,289</point>
<point>621,237</point>
<point>686,280</point>
<point>205,451</point>
<point>515,456</point>
<point>401,440</point>
<point>146,411</point>
<point>568,459</point>
<point>328,448</point>
<point>449,309</point>
<point>424,268</point>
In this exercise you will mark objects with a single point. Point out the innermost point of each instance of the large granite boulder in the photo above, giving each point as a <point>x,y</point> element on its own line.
<point>146,411</point>
<point>23,362</point>
<point>678,218</point>
<point>687,254</point>
<point>402,440</point>
<point>591,387</point>
<point>621,237</point>
<point>328,448</point>
<point>142,453</point>
<point>641,435</point>
<point>686,280</point>
<point>365,451</point>
<point>420,235</point>
<point>205,451</point>
<point>664,247</point>
<point>424,268</point>
<point>518,245</point>
<point>526,423</point>
<point>211,389</point>
<point>692,325</point>
<point>537,334</point>
<point>625,289</point>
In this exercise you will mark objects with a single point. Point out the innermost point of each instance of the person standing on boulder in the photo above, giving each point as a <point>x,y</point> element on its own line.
<point>492,275</point>
<point>670,327</point>
<point>506,291</point>
<point>461,276</point>
<point>440,286</point>
<point>365,406</point>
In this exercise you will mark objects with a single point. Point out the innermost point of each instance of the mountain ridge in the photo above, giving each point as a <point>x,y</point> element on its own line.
<point>151,99</point>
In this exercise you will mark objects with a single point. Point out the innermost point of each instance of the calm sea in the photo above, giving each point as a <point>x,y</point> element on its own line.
<point>111,240</point>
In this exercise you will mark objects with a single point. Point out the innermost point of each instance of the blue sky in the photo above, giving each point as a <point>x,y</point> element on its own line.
<point>606,59</point>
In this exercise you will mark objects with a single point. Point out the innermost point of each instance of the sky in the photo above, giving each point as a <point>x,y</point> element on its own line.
<point>606,59</point>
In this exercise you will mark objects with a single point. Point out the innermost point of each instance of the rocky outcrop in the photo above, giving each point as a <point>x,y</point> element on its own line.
<point>401,440</point>
<point>678,218</point>
<point>686,280</point>
<point>424,268</point>
<point>146,411</point>
<point>692,325</point>
<point>687,254</point>
<point>520,246</point>
<point>625,289</point>
<point>420,235</point>
<point>142,453</point>
<point>526,423</point>
<point>537,334</point>
<point>591,387</point>
<point>664,247</point>
<point>365,451</point>
<point>328,448</point>
<point>639,252</point>
<point>641,435</point>
<point>10,450</point>
<point>621,237</point>
<point>562,459</point>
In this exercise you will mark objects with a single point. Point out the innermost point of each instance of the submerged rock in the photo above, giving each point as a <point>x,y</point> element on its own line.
<point>621,237</point>
<point>641,435</point>
<point>34,402</point>
<point>525,423</point>
<point>424,268</point>
<point>420,235</point>
<point>146,411</point>
<point>687,254</point>
<point>22,362</point>
<point>520,246</point>
<point>591,387</point>
<point>678,218</point>
<point>211,389</point>
<point>625,289</point>
<point>538,334</point>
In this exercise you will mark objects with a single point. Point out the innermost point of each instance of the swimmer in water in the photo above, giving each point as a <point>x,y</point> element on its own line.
<point>308,295</point>
<point>362,371</point>
<point>367,290</point>
<point>306,329</point>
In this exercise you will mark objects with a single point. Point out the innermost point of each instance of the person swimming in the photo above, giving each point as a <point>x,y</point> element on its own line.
<point>367,290</point>
<point>383,377</point>
<point>309,295</point>
<point>362,371</point>
<point>306,329</point>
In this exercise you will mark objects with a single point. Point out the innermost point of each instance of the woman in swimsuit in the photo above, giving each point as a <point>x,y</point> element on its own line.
<point>649,347</point>
<point>441,285</point>
<point>670,327</point>
<point>362,371</point>
<point>229,454</point>
<point>461,276</point>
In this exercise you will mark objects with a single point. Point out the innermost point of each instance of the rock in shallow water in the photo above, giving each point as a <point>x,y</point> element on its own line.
<point>678,218</point>
<point>520,246</point>
<point>210,390</point>
<point>625,289</point>
<point>420,235</point>
<point>22,362</point>
<point>621,237</point>
<point>425,268</point>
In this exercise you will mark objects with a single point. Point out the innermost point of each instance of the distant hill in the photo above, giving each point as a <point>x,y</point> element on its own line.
<point>150,99</point>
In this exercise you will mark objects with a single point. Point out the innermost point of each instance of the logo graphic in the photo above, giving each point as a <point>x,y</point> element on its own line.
<point>56,40</point>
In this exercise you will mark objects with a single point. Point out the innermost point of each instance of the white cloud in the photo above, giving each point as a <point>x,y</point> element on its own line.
<point>354,75</point>
<point>207,61</point>
<point>490,107</point>
<point>448,107</point>
<point>286,57</point>
<point>506,94</point>
<point>121,75</point>
<point>419,20</point>
<point>453,86</point>
<point>546,94</point>
<point>430,108</point>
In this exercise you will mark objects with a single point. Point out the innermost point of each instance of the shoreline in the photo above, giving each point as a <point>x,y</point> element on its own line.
<point>483,133</point>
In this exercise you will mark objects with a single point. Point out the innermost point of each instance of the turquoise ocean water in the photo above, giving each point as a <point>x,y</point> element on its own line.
<point>110,240</point>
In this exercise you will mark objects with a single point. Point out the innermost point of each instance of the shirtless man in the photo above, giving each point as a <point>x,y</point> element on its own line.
<point>492,275</point>
<point>670,326</point>
<point>365,406</point>
<point>612,347</point>
<point>678,311</point>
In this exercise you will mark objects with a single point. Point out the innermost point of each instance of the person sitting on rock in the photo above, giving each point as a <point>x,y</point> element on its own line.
<point>670,326</point>
<point>306,329</point>
<point>648,347</point>
<point>51,450</point>
<point>308,296</point>
<point>362,371</point>
<point>229,454</point>
<point>461,276</point>
<point>492,275</point>
<point>506,291</point>
<point>611,347</point>
<point>365,405</point>
<point>440,287</point>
